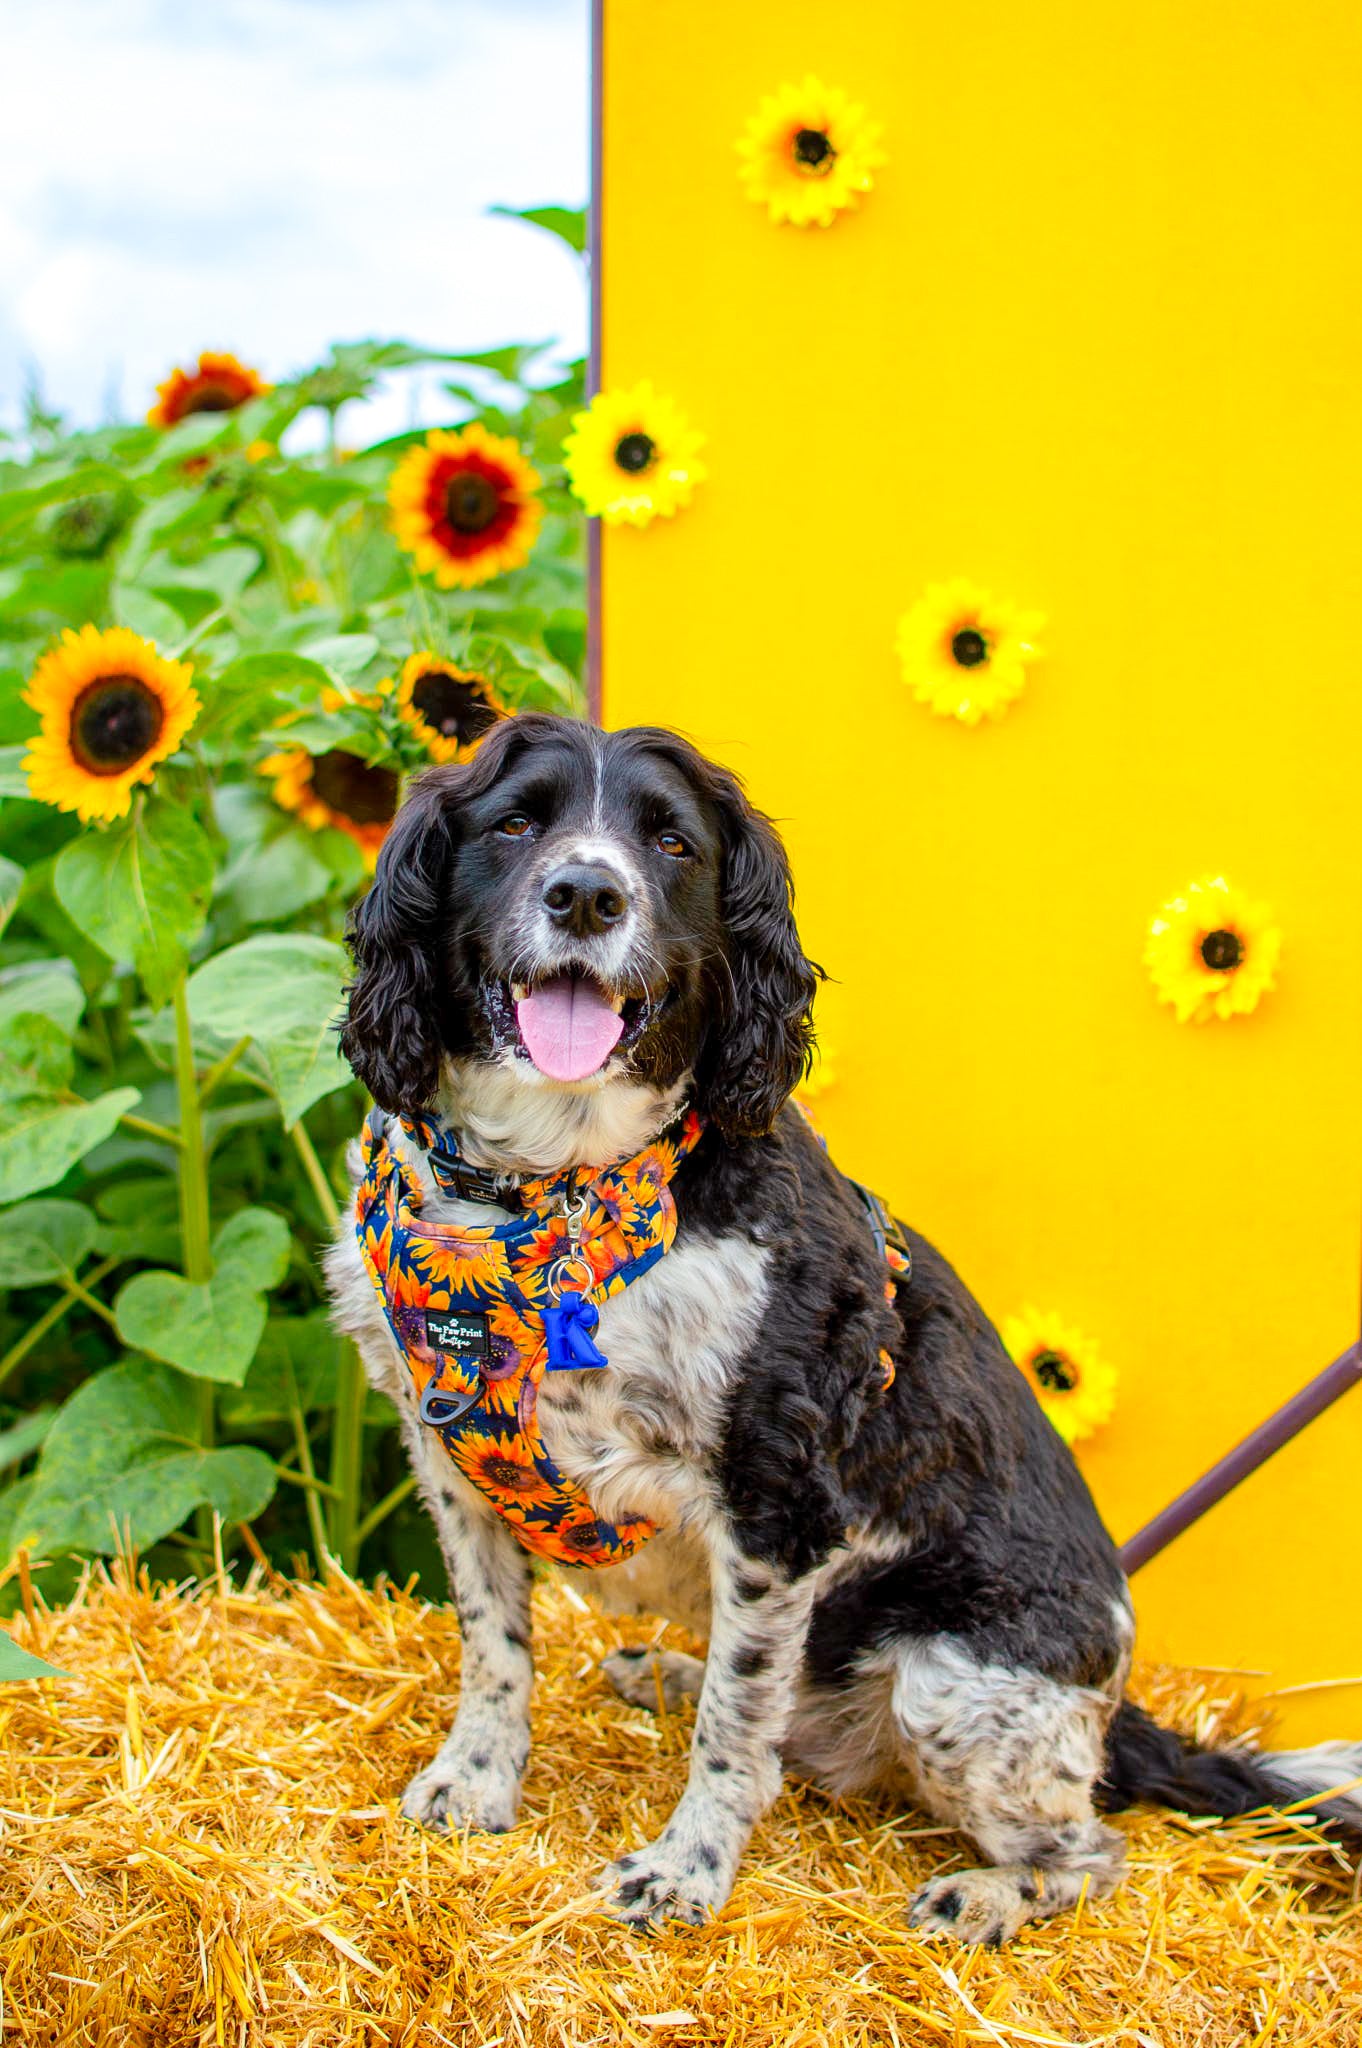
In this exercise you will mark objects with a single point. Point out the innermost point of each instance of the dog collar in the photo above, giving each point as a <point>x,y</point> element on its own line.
<point>481,1312</point>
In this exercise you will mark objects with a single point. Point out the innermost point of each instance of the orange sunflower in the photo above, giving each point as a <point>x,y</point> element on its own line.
<point>357,797</point>
<point>464,506</point>
<point>505,1471</point>
<point>451,710</point>
<point>219,384</point>
<point>111,708</point>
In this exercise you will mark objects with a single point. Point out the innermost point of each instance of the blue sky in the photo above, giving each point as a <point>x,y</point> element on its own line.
<point>269,176</point>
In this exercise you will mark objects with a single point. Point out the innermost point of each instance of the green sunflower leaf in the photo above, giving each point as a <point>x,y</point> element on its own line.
<point>42,1141</point>
<point>210,1329</point>
<point>36,1059</point>
<point>45,988</point>
<point>140,890</point>
<point>13,781</point>
<point>11,882</point>
<point>296,1363</point>
<point>17,1663</point>
<point>122,1456</point>
<point>150,616</point>
<point>284,990</point>
<point>567,222</point>
<point>43,1239</point>
<point>24,1437</point>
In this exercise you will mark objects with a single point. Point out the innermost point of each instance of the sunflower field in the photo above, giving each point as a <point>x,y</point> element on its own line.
<point>219,661</point>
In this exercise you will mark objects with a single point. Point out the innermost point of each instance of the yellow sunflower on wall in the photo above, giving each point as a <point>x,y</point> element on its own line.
<point>357,797</point>
<point>1212,952</point>
<point>219,384</point>
<point>451,710</point>
<point>965,652</point>
<point>464,506</point>
<point>111,708</point>
<point>632,456</point>
<point>808,153</point>
<point>1068,1374</point>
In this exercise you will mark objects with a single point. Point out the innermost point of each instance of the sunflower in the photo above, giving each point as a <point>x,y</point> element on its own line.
<point>1068,1374</point>
<point>1211,952</point>
<point>464,506</point>
<point>451,710</point>
<point>219,384</point>
<point>357,797</point>
<point>807,153</point>
<point>964,652</point>
<point>112,707</point>
<point>506,1471</point>
<point>631,457</point>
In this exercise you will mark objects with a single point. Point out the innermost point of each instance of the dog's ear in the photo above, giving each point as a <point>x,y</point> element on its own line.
<point>758,1049</point>
<point>391,1032</point>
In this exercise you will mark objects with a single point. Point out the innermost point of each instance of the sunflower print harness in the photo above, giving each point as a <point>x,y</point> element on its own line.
<point>481,1312</point>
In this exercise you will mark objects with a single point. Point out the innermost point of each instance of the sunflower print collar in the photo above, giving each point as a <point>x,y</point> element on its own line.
<point>481,1312</point>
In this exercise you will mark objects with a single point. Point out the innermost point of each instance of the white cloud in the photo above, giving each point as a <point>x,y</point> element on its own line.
<point>270,176</point>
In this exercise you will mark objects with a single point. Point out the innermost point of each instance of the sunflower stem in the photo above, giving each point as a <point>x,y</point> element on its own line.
<point>384,1508</point>
<point>315,1523</point>
<point>347,1421</point>
<point>194,1218</point>
<point>48,1320</point>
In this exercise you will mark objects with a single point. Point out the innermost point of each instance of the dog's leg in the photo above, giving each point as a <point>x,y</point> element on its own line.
<point>1010,1758</point>
<point>654,1678</point>
<point>758,1628</point>
<point>474,1781</point>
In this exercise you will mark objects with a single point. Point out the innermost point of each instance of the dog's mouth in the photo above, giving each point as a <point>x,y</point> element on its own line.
<point>569,1024</point>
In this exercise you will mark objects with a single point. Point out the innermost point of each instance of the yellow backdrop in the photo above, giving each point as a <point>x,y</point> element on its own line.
<point>1092,342</point>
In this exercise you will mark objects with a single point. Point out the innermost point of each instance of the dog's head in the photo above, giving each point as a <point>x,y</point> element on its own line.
<point>574,909</point>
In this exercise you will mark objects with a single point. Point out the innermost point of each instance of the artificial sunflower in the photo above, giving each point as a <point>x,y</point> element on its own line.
<point>632,457</point>
<point>219,384</point>
<point>465,507</point>
<point>1074,1384</point>
<point>357,797</point>
<point>451,710</point>
<point>966,653</point>
<point>1212,952</point>
<point>111,708</point>
<point>808,153</point>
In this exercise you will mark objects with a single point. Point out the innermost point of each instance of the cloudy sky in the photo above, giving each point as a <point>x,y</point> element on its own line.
<point>269,176</point>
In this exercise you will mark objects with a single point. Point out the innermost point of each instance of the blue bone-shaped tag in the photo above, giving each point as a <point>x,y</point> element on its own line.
<point>569,1325</point>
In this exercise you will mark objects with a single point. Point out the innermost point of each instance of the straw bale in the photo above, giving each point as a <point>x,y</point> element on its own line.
<point>202,1845</point>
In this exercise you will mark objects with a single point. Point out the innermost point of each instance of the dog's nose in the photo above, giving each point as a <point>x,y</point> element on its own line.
<point>584,900</point>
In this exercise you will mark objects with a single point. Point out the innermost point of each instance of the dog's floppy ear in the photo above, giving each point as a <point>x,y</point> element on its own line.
<point>758,1049</point>
<point>391,1032</point>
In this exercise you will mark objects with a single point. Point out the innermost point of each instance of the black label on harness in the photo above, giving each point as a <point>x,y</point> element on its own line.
<point>464,1333</point>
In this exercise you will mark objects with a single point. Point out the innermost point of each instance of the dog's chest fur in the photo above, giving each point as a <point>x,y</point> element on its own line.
<point>640,1435</point>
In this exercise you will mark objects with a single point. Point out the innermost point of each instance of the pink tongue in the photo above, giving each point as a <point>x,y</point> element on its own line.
<point>569,1027</point>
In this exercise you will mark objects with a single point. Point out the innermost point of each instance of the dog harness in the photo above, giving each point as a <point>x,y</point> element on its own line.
<point>481,1312</point>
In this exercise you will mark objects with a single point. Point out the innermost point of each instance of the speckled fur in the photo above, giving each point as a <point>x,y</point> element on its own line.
<point>905,1590</point>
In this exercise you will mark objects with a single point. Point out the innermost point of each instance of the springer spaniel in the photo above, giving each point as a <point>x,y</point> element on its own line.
<point>572,942</point>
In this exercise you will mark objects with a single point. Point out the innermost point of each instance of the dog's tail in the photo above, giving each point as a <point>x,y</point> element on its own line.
<point>1151,1764</point>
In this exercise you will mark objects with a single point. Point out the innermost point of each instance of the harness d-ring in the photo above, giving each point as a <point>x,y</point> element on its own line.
<point>437,1409</point>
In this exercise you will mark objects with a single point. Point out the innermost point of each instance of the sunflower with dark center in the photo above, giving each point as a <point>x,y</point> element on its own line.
<point>1067,1373</point>
<point>451,710</point>
<point>1212,952</point>
<point>465,506</point>
<point>808,153</point>
<point>964,652</point>
<point>336,789</point>
<point>111,708</point>
<point>85,526</point>
<point>632,456</point>
<point>219,383</point>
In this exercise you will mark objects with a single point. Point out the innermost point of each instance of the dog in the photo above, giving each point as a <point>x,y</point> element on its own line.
<point>580,949</point>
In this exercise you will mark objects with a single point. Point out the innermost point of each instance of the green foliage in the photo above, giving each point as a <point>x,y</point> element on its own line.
<point>173,1109</point>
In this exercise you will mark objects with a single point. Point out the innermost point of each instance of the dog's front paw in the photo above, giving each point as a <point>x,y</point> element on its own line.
<point>984,1906</point>
<point>464,1790</point>
<point>666,1881</point>
<point>654,1679</point>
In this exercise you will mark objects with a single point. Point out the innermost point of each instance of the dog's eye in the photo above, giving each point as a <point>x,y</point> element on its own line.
<point>514,827</point>
<point>673,844</point>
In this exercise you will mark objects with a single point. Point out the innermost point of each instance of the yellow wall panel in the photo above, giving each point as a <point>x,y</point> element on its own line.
<point>1092,342</point>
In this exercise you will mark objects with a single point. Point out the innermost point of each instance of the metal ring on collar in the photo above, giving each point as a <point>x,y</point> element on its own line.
<point>563,1266</point>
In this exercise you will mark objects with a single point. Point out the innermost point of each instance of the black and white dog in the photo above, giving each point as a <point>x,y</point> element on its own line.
<point>903,1588</point>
